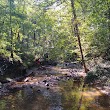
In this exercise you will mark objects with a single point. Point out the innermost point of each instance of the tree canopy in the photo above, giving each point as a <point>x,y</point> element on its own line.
<point>30,28</point>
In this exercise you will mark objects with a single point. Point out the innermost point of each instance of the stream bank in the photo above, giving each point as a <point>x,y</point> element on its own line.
<point>52,94</point>
<point>52,88</point>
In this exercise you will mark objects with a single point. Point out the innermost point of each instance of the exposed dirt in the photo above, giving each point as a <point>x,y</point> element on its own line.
<point>49,76</point>
<point>46,77</point>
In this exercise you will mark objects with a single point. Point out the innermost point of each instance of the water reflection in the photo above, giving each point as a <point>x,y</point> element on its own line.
<point>26,99</point>
<point>69,97</point>
<point>73,98</point>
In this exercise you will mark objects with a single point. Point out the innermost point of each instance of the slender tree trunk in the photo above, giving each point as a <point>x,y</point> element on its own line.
<point>34,43</point>
<point>28,42</point>
<point>76,31</point>
<point>34,40</point>
<point>11,44</point>
<point>11,33</point>
<point>18,37</point>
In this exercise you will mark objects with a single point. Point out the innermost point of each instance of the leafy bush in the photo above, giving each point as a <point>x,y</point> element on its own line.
<point>91,77</point>
<point>100,74</point>
<point>71,56</point>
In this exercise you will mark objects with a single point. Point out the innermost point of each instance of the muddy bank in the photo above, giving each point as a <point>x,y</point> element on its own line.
<point>66,95</point>
<point>99,77</point>
<point>10,69</point>
<point>47,77</point>
<point>52,88</point>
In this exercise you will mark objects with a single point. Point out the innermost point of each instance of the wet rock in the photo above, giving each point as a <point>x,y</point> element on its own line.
<point>10,80</point>
<point>48,88</point>
<point>44,81</point>
<point>57,78</point>
<point>65,74</point>
<point>47,84</point>
<point>61,77</point>
<point>30,74</point>
<point>27,79</point>
<point>38,91</point>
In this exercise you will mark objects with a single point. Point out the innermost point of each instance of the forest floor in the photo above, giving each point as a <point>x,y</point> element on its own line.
<point>48,77</point>
<point>51,85</point>
<point>44,76</point>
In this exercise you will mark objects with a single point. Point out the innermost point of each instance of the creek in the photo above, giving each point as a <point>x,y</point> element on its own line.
<point>67,95</point>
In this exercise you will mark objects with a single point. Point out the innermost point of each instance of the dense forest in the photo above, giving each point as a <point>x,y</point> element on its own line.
<point>58,33</point>
<point>30,29</point>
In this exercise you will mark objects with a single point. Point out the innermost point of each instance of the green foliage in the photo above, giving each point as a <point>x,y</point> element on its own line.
<point>71,56</point>
<point>91,77</point>
<point>100,74</point>
<point>2,104</point>
<point>46,27</point>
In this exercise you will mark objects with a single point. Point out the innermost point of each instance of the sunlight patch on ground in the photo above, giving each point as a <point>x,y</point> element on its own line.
<point>90,95</point>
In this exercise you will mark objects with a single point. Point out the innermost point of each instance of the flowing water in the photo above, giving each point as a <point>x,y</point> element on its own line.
<point>68,96</point>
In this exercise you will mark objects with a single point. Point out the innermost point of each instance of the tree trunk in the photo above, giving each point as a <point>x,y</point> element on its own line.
<point>34,39</point>
<point>76,31</point>
<point>11,33</point>
<point>12,44</point>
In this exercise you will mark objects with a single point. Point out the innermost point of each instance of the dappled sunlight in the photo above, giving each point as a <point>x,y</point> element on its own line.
<point>60,91</point>
<point>65,95</point>
<point>54,55</point>
<point>91,94</point>
<point>88,99</point>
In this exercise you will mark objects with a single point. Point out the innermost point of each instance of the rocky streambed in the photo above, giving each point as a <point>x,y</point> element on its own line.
<point>52,88</point>
<point>47,77</point>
